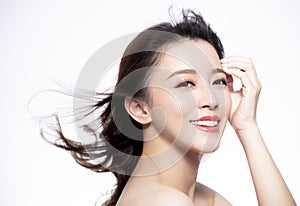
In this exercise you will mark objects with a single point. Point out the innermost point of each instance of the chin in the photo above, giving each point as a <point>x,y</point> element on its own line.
<point>206,148</point>
<point>215,148</point>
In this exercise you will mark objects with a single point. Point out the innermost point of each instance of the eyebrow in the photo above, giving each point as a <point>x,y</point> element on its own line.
<point>192,71</point>
<point>184,71</point>
<point>218,70</point>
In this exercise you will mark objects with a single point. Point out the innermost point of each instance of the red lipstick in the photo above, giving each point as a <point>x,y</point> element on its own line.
<point>210,118</point>
<point>207,123</point>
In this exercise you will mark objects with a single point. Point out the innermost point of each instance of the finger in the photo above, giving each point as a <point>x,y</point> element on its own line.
<point>240,75</point>
<point>230,82</point>
<point>239,65</point>
<point>245,60</point>
<point>243,64</point>
<point>245,69</point>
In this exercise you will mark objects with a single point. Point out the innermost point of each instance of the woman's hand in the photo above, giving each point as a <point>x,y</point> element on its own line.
<point>266,176</point>
<point>244,101</point>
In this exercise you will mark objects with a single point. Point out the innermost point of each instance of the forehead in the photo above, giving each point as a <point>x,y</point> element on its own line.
<point>199,55</point>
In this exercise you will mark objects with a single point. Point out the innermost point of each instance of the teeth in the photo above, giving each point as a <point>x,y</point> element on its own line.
<point>206,123</point>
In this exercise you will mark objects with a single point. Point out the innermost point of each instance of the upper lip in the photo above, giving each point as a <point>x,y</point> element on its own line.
<point>209,118</point>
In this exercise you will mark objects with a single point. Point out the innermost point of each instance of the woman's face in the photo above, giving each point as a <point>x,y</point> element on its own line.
<point>190,100</point>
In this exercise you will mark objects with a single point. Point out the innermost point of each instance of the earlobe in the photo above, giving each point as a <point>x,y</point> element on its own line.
<point>138,110</point>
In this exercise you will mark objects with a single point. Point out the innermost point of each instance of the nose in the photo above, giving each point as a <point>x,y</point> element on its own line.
<point>207,98</point>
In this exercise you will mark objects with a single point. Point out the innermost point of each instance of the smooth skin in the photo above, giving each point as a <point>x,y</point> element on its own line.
<point>270,187</point>
<point>177,185</point>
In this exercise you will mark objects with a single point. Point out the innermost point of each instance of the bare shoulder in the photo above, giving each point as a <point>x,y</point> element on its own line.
<point>165,196</point>
<point>207,196</point>
<point>159,196</point>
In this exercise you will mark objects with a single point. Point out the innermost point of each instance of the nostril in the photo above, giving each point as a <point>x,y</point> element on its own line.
<point>215,107</point>
<point>211,106</point>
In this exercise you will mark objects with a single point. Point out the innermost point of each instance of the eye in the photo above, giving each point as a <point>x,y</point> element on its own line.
<point>186,84</point>
<point>220,82</point>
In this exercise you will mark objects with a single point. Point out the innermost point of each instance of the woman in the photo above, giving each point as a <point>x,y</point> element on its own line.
<point>170,106</point>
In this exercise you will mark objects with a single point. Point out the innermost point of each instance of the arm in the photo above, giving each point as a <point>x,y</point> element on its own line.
<point>269,185</point>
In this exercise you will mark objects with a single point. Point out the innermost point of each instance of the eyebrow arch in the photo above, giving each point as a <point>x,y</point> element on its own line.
<point>192,71</point>
<point>184,71</point>
<point>219,70</point>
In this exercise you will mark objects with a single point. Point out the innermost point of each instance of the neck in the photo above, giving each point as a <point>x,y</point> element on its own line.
<point>170,167</point>
<point>182,176</point>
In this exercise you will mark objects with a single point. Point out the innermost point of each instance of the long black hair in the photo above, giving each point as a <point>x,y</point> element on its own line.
<point>100,155</point>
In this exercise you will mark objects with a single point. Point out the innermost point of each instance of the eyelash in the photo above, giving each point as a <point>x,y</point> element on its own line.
<point>189,83</point>
<point>221,82</point>
<point>184,84</point>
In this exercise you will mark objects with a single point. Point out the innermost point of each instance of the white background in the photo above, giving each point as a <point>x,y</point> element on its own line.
<point>44,40</point>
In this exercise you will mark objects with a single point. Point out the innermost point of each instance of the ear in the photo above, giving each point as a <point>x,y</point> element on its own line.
<point>138,110</point>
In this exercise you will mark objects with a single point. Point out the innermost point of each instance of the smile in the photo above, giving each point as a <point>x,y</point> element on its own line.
<point>207,123</point>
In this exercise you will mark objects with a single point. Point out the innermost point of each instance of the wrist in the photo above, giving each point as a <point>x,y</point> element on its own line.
<point>247,130</point>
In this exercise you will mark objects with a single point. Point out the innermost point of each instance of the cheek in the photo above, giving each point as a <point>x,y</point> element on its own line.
<point>165,109</point>
<point>174,103</point>
<point>225,102</point>
<point>229,105</point>
<point>228,101</point>
<point>186,102</point>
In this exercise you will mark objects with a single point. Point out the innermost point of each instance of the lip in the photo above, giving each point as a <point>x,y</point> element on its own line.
<point>210,118</point>
<point>204,128</point>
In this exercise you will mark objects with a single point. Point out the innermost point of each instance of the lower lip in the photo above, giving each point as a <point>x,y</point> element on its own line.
<point>207,128</point>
